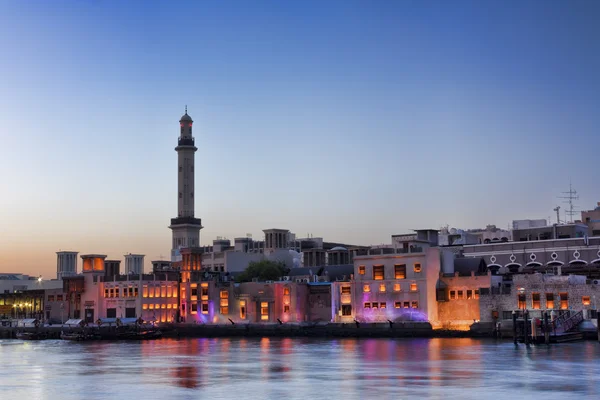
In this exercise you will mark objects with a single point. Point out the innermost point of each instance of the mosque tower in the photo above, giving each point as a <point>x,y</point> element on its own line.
<point>186,228</point>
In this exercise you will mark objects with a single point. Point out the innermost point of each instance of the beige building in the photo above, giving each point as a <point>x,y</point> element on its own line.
<point>592,219</point>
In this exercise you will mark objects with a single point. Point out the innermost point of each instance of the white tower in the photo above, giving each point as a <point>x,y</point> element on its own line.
<point>186,228</point>
<point>66,263</point>
<point>134,264</point>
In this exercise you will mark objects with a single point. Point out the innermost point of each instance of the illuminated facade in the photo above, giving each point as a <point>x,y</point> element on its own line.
<point>186,227</point>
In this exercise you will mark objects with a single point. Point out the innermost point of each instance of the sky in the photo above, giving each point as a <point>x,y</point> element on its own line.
<point>348,120</point>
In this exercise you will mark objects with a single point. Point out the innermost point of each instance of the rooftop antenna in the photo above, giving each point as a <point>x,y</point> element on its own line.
<point>557,208</point>
<point>568,199</point>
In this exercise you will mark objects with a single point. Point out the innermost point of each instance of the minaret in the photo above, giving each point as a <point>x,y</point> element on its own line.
<point>186,228</point>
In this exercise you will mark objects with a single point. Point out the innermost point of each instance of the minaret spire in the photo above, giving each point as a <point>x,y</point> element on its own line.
<point>186,108</point>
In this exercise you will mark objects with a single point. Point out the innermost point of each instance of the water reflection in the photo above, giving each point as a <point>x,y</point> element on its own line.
<point>299,369</point>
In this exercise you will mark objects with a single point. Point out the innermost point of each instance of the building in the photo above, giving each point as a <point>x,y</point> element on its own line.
<point>112,267</point>
<point>562,231</point>
<point>66,264</point>
<point>592,219</point>
<point>519,224</point>
<point>134,264</point>
<point>186,227</point>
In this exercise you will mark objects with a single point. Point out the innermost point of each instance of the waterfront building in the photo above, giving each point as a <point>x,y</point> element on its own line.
<point>562,231</point>
<point>186,227</point>
<point>66,264</point>
<point>134,264</point>
<point>537,293</point>
<point>592,219</point>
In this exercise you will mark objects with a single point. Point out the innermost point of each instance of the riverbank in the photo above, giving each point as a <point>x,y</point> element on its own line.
<point>353,330</point>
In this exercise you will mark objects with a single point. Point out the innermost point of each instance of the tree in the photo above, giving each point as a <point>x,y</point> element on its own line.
<point>264,270</point>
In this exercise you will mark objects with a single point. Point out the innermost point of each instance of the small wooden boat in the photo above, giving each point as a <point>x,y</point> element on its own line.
<point>78,336</point>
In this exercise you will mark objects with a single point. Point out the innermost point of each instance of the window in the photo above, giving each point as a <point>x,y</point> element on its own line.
<point>117,292</point>
<point>346,310</point>
<point>453,295</point>
<point>135,292</point>
<point>398,304</point>
<point>469,294</point>
<point>460,294</point>
<point>346,290</point>
<point>204,307</point>
<point>413,287</point>
<point>204,292</point>
<point>417,267</point>
<point>367,305</point>
<point>585,300</point>
<point>400,271</point>
<point>224,295</point>
<point>144,306</point>
<point>286,308</point>
<point>366,288</point>
<point>377,272</point>
<point>521,302</point>
<point>105,293</point>
<point>476,294</point>
<point>130,289</point>
<point>382,304</point>
<point>406,304</point>
<point>286,290</point>
<point>382,288</point>
<point>194,307</point>
<point>169,291</point>
<point>564,301</point>
<point>374,305</point>
<point>51,298</point>
<point>264,311</point>
<point>157,291</point>
<point>111,313</point>
<point>111,292</point>
<point>506,314</point>
<point>415,304</point>
<point>243,309</point>
<point>549,301</point>
<point>151,306</point>
<point>396,287</point>
<point>535,301</point>
<point>59,297</point>
<point>163,291</point>
<point>361,269</point>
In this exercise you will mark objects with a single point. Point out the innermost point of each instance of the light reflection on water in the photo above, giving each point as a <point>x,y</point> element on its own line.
<point>271,368</point>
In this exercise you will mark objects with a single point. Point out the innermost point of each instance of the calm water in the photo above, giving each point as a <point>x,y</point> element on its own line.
<point>298,369</point>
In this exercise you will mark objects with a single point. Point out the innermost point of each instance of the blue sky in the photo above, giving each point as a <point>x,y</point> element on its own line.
<point>351,120</point>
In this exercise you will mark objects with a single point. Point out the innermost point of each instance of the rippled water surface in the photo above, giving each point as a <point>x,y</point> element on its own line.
<point>298,369</point>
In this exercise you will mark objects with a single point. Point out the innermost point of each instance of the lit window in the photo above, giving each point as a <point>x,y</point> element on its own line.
<point>346,290</point>
<point>151,291</point>
<point>476,293</point>
<point>286,308</point>
<point>264,311</point>
<point>204,307</point>
<point>361,269</point>
<point>382,288</point>
<point>151,306</point>
<point>204,293</point>
<point>243,309</point>
<point>521,301</point>
<point>224,304</point>
<point>116,292</point>
<point>460,294</point>
<point>367,305</point>
<point>157,291</point>
<point>469,294</point>
<point>382,304</point>
<point>415,304</point>
<point>366,288</point>
<point>406,304</point>
<point>105,295</point>
<point>549,301</point>
<point>169,291</point>
<point>417,268</point>
<point>396,287</point>
<point>398,304</point>
<point>286,290</point>
<point>194,308</point>
<point>168,306</point>
<point>400,271</point>
<point>163,291</point>
<point>144,306</point>
<point>413,287</point>
<point>535,301</point>
<point>374,305</point>
<point>346,310</point>
<point>377,272</point>
<point>453,295</point>
<point>585,300</point>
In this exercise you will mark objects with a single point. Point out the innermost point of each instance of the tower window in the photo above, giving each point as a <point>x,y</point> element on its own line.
<point>180,168</point>
<point>180,195</point>
<point>192,195</point>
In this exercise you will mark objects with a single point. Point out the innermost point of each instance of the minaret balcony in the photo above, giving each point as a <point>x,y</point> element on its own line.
<point>186,142</point>
<point>186,221</point>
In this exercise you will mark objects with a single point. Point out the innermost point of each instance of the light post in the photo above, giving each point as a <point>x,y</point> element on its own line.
<point>523,296</point>
<point>62,307</point>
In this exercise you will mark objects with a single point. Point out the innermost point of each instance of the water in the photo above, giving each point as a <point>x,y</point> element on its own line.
<point>298,369</point>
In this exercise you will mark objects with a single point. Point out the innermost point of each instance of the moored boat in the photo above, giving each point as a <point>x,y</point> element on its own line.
<point>30,335</point>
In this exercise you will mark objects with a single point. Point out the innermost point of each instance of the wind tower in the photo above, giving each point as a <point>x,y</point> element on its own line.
<point>186,227</point>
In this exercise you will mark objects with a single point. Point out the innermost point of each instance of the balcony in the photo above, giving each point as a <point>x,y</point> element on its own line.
<point>185,142</point>
<point>186,220</point>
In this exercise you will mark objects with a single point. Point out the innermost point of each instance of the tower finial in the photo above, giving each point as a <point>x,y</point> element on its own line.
<point>186,108</point>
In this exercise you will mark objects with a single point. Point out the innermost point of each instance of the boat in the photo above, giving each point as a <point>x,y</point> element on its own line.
<point>79,336</point>
<point>30,335</point>
<point>142,334</point>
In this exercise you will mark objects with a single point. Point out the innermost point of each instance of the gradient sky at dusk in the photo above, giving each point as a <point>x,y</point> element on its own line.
<point>351,120</point>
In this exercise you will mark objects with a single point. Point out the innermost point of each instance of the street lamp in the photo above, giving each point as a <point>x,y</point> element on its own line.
<point>525,330</point>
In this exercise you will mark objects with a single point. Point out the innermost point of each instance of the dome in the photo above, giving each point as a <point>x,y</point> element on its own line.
<point>186,117</point>
<point>339,248</point>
